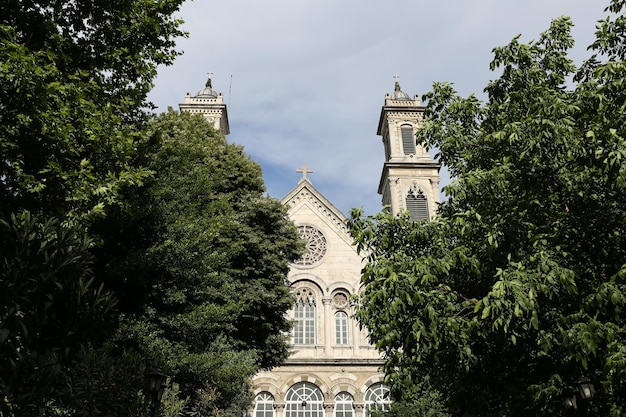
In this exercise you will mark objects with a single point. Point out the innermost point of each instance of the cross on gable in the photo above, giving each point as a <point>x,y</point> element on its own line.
<point>304,170</point>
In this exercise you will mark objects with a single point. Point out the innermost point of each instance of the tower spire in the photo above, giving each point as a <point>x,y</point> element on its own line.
<point>410,177</point>
<point>210,104</point>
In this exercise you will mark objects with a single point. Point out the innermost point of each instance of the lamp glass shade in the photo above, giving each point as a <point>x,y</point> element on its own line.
<point>569,402</point>
<point>156,381</point>
<point>586,389</point>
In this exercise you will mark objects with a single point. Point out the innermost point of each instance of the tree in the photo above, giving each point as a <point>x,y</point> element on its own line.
<point>517,288</point>
<point>414,400</point>
<point>202,283</point>
<point>73,83</point>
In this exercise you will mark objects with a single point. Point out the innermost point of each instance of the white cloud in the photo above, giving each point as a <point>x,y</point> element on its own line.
<point>309,77</point>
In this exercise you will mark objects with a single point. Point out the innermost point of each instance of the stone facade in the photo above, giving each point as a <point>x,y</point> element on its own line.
<point>331,356</point>
<point>333,371</point>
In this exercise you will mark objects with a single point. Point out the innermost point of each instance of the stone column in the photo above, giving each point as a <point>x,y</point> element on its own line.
<point>358,409</point>
<point>328,409</point>
<point>356,337</point>
<point>279,409</point>
<point>328,325</point>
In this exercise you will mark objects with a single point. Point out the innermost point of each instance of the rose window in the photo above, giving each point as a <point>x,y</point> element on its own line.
<point>315,245</point>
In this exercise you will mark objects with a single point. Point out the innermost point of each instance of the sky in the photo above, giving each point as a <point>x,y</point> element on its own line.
<point>304,80</point>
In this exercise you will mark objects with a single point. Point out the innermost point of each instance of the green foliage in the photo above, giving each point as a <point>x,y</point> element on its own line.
<point>518,287</point>
<point>49,305</point>
<point>209,262</point>
<point>103,381</point>
<point>73,83</point>
<point>63,153</point>
<point>415,400</point>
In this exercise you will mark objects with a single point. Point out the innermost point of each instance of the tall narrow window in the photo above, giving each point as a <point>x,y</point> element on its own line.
<point>417,205</point>
<point>304,315</point>
<point>304,400</point>
<point>343,405</point>
<point>264,405</point>
<point>341,328</point>
<point>408,139</point>
<point>376,398</point>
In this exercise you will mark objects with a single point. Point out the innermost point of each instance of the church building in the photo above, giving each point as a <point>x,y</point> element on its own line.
<point>333,370</point>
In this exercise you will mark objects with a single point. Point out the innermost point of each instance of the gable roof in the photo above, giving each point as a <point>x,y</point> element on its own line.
<point>305,192</point>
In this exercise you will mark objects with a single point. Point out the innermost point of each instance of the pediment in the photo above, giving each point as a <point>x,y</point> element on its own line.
<point>306,205</point>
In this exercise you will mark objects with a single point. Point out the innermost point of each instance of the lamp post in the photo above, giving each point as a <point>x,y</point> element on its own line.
<point>580,402</point>
<point>156,384</point>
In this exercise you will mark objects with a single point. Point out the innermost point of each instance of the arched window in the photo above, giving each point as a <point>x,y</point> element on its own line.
<point>264,405</point>
<point>304,315</point>
<point>341,328</point>
<point>304,400</point>
<point>417,205</point>
<point>376,398</point>
<point>343,405</point>
<point>408,139</point>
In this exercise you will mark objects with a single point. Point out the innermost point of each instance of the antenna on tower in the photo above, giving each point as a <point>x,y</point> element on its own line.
<point>230,88</point>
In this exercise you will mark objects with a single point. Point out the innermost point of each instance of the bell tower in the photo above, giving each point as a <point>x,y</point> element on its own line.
<point>410,177</point>
<point>210,104</point>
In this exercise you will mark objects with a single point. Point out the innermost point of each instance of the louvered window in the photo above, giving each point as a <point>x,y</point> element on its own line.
<point>417,205</point>
<point>408,139</point>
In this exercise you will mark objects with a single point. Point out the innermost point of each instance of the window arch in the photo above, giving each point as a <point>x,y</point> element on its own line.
<point>304,316</point>
<point>376,398</point>
<point>304,400</point>
<point>343,405</point>
<point>417,205</point>
<point>341,328</point>
<point>408,139</point>
<point>264,405</point>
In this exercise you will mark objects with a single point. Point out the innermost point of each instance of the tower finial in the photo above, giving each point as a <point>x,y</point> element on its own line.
<point>397,77</point>
<point>208,82</point>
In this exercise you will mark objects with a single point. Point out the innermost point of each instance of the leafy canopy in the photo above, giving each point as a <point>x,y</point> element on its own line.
<point>73,83</point>
<point>209,262</point>
<point>518,287</point>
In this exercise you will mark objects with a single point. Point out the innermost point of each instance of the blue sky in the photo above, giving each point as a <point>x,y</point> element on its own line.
<point>305,80</point>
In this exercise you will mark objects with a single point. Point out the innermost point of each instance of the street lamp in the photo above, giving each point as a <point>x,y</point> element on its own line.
<point>585,389</point>
<point>156,384</point>
<point>580,402</point>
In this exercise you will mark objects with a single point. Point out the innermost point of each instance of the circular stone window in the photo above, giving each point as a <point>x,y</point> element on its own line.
<point>340,300</point>
<point>315,245</point>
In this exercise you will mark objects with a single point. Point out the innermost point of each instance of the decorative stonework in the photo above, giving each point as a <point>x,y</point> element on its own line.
<point>316,245</point>
<point>340,299</point>
<point>305,195</point>
<point>305,295</point>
